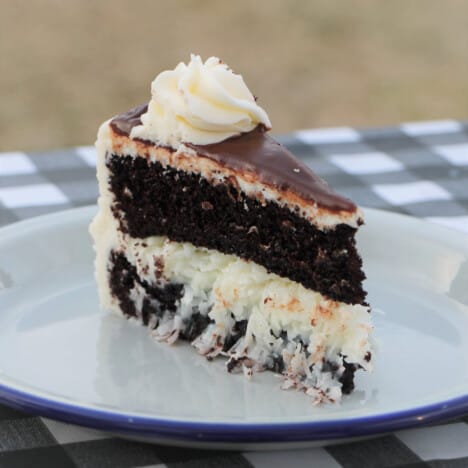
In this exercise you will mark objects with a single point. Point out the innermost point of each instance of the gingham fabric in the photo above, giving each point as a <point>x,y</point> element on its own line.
<point>420,169</point>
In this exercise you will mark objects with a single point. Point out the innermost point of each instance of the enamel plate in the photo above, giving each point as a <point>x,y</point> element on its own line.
<point>64,358</point>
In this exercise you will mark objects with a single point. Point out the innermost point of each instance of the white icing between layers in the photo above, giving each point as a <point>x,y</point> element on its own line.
<point>109,142</point>
<point>225,285</point>
<point>199,103</point>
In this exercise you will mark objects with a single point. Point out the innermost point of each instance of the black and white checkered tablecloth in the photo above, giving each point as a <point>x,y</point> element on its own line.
<point>419,169</point>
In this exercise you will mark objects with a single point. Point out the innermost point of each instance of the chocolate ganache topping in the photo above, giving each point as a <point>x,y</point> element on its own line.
<point>123,123</point>
<point>257,152</point>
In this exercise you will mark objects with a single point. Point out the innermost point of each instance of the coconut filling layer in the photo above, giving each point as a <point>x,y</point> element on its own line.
<point>288,328</point>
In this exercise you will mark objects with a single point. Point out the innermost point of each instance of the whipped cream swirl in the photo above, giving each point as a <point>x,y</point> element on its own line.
<point>199,103</point>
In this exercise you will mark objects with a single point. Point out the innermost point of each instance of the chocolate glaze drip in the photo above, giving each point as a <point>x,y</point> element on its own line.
<point>123,123</point>
<point>257,152</point>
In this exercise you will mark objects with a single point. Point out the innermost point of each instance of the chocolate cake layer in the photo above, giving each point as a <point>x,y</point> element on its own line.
<point>258,153</point>
<point>155,201</point>
<point>123,278</point>
<point>160,300</point>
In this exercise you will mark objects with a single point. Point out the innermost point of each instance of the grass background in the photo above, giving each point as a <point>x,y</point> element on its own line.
<point>68,65</point>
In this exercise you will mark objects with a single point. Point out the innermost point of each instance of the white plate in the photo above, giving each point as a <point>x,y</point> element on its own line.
<point>62,357</point>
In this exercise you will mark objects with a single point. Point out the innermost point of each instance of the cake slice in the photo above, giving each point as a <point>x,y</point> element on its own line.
<point>210,231</point>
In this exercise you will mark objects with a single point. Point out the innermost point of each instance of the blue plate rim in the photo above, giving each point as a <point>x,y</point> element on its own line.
<point>184,430</point>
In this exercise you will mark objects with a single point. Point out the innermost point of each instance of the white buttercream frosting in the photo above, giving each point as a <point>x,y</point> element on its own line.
<point>200,103</point>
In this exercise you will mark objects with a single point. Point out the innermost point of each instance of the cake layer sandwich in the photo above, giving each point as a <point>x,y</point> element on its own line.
<point>210,231</point>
